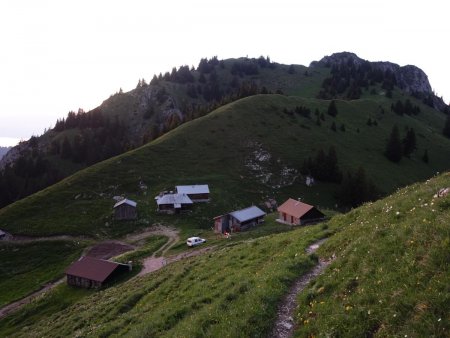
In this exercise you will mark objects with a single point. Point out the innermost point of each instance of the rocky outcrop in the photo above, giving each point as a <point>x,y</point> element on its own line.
<point>13,154</point>
<point>3,151</point>
<point>410,79</point>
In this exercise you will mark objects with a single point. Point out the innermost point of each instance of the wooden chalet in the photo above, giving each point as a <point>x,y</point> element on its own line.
<point>125,210</point>
<point>197,193</point>
<point>298,213</point>
<point>89,272</point>
<point>173,203</point>
<point>239,220</point>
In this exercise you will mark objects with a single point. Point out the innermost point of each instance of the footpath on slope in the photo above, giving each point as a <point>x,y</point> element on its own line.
<point>284,325</point>
<point>102,250</point>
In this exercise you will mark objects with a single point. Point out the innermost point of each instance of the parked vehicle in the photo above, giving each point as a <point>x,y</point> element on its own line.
<point>193,241</point>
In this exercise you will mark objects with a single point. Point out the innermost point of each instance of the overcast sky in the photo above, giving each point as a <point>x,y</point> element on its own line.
<point>59,55</point>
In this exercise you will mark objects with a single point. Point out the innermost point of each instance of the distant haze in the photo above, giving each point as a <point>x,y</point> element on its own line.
<point>59,56</point>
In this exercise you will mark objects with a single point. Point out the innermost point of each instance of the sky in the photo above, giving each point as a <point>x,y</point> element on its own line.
<point>57,56</point>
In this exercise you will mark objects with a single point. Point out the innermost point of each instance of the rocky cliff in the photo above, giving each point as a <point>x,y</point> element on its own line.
<point>410,79</point>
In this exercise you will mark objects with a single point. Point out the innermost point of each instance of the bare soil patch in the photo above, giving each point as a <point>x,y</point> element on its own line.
<point>108,249</point>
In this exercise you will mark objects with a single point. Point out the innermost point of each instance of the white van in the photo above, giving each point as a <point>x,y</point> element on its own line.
<point>193,241</point>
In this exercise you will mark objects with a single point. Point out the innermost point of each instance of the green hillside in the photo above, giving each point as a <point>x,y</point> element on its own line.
<point>247,151</point>
<point>390,277</point>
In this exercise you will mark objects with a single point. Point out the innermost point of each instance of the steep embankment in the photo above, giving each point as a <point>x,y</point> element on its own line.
<point>246,151</point>
<point>390,277</point>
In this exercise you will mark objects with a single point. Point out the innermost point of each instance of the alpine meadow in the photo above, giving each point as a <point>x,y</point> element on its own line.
<point>364,144</point>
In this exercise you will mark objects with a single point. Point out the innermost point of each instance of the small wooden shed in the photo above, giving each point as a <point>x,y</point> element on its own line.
<point>125,210</point>
<point>298,213</point>
<point>89,272</point>
<point>197,193</point>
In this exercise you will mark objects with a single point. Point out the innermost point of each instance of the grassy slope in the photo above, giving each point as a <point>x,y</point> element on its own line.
<point>214,295</point>
<point>24,268</point>
<point>213,150</point>
<point>390,278</point>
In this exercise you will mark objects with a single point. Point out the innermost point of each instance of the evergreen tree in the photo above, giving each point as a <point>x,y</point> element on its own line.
<point>394,146</point>
<point>356,189</point>
<point>291,69</point>
<point>333,126</point>
<point>318,121</point>
<point>409,142</point>
<point>342,127</point>
<point>446,130</point>
<point>425,156</point>
<point>333,173</point>
<point>332,109</point>
<point>66,148</point>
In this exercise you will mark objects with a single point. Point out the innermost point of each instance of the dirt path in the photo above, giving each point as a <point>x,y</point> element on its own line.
<point>155,263</point>
<point>102,250</point>
<point>28,239</point>
<point>4,311</point>
<point>284,325</point>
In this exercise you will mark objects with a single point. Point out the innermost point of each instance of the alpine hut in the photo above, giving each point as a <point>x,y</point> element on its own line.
<point>197,193</point>
<point>239,220</point>
<point>173,203</point>
<point>89,272</point>
<point>125,210</point>
<point>298,213</point>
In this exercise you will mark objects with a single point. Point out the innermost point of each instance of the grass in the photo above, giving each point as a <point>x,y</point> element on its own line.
<point>27,267</point>
<point>57,300</point>
<point>214,149</point>
<point>217,294</point>
<point>391,276</point>
<point>146,249</point>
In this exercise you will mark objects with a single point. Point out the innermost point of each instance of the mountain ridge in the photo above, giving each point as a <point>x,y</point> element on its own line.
<point>128,120</point>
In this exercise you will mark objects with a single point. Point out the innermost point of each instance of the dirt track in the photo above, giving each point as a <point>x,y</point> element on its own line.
<point>102,250</point>
<point>284,325</point>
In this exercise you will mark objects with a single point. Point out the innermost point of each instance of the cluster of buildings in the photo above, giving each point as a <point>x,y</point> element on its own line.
<point>90,272</point>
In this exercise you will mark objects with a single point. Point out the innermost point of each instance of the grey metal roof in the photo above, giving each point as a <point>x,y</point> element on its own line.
<point>193,189</point>
<point>126,201</point>
<point>247,213</point>
<point>174,199</point>
<point>2,233</point>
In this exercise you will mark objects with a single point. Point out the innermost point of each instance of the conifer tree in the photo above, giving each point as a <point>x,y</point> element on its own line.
<point>409,142</point>
<point>446,130</point>
<point>66,148</point>
<point>425,158</point>
<point>394,146</point>
<point>332,110</point>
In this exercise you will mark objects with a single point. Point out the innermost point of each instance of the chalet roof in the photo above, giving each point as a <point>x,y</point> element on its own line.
<point>92,268</point>
<point>175,199</point>
<point>193,189</point>
<point>126,201</point>
<point>2,233</point>
<point>247,213</point>
<point>294,208</point>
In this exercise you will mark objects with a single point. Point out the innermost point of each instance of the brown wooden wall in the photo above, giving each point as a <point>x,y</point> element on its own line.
<point>125,211</point>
